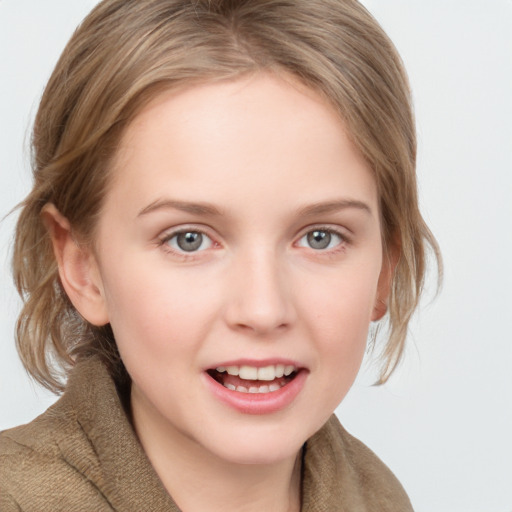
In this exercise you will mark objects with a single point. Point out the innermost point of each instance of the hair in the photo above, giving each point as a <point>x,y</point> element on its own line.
<point>126,52</point>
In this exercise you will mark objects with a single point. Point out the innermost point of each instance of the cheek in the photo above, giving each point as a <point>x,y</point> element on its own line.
<point>343,330</point>
<point>341,305</point>
<point>338,311</point>
<point>152,310</point>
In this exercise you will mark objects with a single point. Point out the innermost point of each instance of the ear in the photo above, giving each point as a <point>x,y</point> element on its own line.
<point>78,269</point>
<point>389,263</point>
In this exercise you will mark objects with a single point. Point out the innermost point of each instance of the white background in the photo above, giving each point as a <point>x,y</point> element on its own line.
<point>444,421</point>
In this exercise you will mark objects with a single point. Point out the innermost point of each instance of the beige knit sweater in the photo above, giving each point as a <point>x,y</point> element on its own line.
<point>82,455</point>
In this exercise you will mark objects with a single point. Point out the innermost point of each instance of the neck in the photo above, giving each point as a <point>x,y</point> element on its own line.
<point>225,487</point>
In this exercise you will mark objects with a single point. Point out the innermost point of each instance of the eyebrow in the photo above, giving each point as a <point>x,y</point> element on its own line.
<point>334,206</point>
<point>184,206</point>
<point>207,209</point>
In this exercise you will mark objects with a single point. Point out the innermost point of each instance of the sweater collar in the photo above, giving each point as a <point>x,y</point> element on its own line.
<point>123,474</point>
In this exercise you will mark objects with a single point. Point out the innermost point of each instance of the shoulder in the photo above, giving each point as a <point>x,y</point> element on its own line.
<point>81,455</point>
<point>37,437</point>
<point>354,474</point>
<point>42,464</point>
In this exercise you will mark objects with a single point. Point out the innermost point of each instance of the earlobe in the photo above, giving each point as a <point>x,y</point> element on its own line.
<point>385,283</point>
<point>78,268</point>
<point>379,310</point>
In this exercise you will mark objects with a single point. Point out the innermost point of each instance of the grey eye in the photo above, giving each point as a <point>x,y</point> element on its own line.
<point>190,241</point>
<point>320,239</point>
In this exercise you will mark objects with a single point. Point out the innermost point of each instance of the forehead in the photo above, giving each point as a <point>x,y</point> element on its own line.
<point>252,136</point>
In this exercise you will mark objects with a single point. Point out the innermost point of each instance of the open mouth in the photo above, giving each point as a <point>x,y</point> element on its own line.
<point>250,379</point>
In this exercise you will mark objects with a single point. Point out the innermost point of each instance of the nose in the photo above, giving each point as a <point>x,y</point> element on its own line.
<point>260,297</point>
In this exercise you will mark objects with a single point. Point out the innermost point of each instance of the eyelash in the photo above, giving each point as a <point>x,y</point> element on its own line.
<point>187,255</point>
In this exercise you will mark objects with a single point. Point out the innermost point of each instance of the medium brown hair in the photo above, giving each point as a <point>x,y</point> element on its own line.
<point>127,51</point>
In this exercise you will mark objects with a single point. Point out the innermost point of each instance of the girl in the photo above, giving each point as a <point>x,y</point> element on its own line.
<point>224,200</point>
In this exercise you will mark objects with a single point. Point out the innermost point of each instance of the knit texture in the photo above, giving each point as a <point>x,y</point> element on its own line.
<point>82,455</point>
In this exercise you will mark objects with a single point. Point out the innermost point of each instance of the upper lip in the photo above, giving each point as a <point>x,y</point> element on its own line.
<point>260,363</point>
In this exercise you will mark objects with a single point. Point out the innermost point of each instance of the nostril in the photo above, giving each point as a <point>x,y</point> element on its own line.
<point>261,327</point>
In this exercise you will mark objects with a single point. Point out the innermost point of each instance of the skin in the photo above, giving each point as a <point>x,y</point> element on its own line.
<point>273,162</point>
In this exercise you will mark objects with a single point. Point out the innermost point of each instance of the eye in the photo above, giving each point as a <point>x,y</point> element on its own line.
<point>189,241</point>
<point>320,239</point>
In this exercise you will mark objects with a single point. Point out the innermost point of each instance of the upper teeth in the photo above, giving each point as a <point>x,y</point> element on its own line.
<point>252,373</point>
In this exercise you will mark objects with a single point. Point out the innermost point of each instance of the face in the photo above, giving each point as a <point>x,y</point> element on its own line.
<point>239,262</point>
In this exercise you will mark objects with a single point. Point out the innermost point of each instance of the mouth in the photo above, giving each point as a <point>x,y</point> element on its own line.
<point>254,380</point>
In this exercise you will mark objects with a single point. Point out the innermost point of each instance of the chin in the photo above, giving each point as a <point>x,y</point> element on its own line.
<point>258,449</point>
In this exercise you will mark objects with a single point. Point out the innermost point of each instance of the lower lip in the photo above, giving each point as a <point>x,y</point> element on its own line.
<point>259,403</point>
